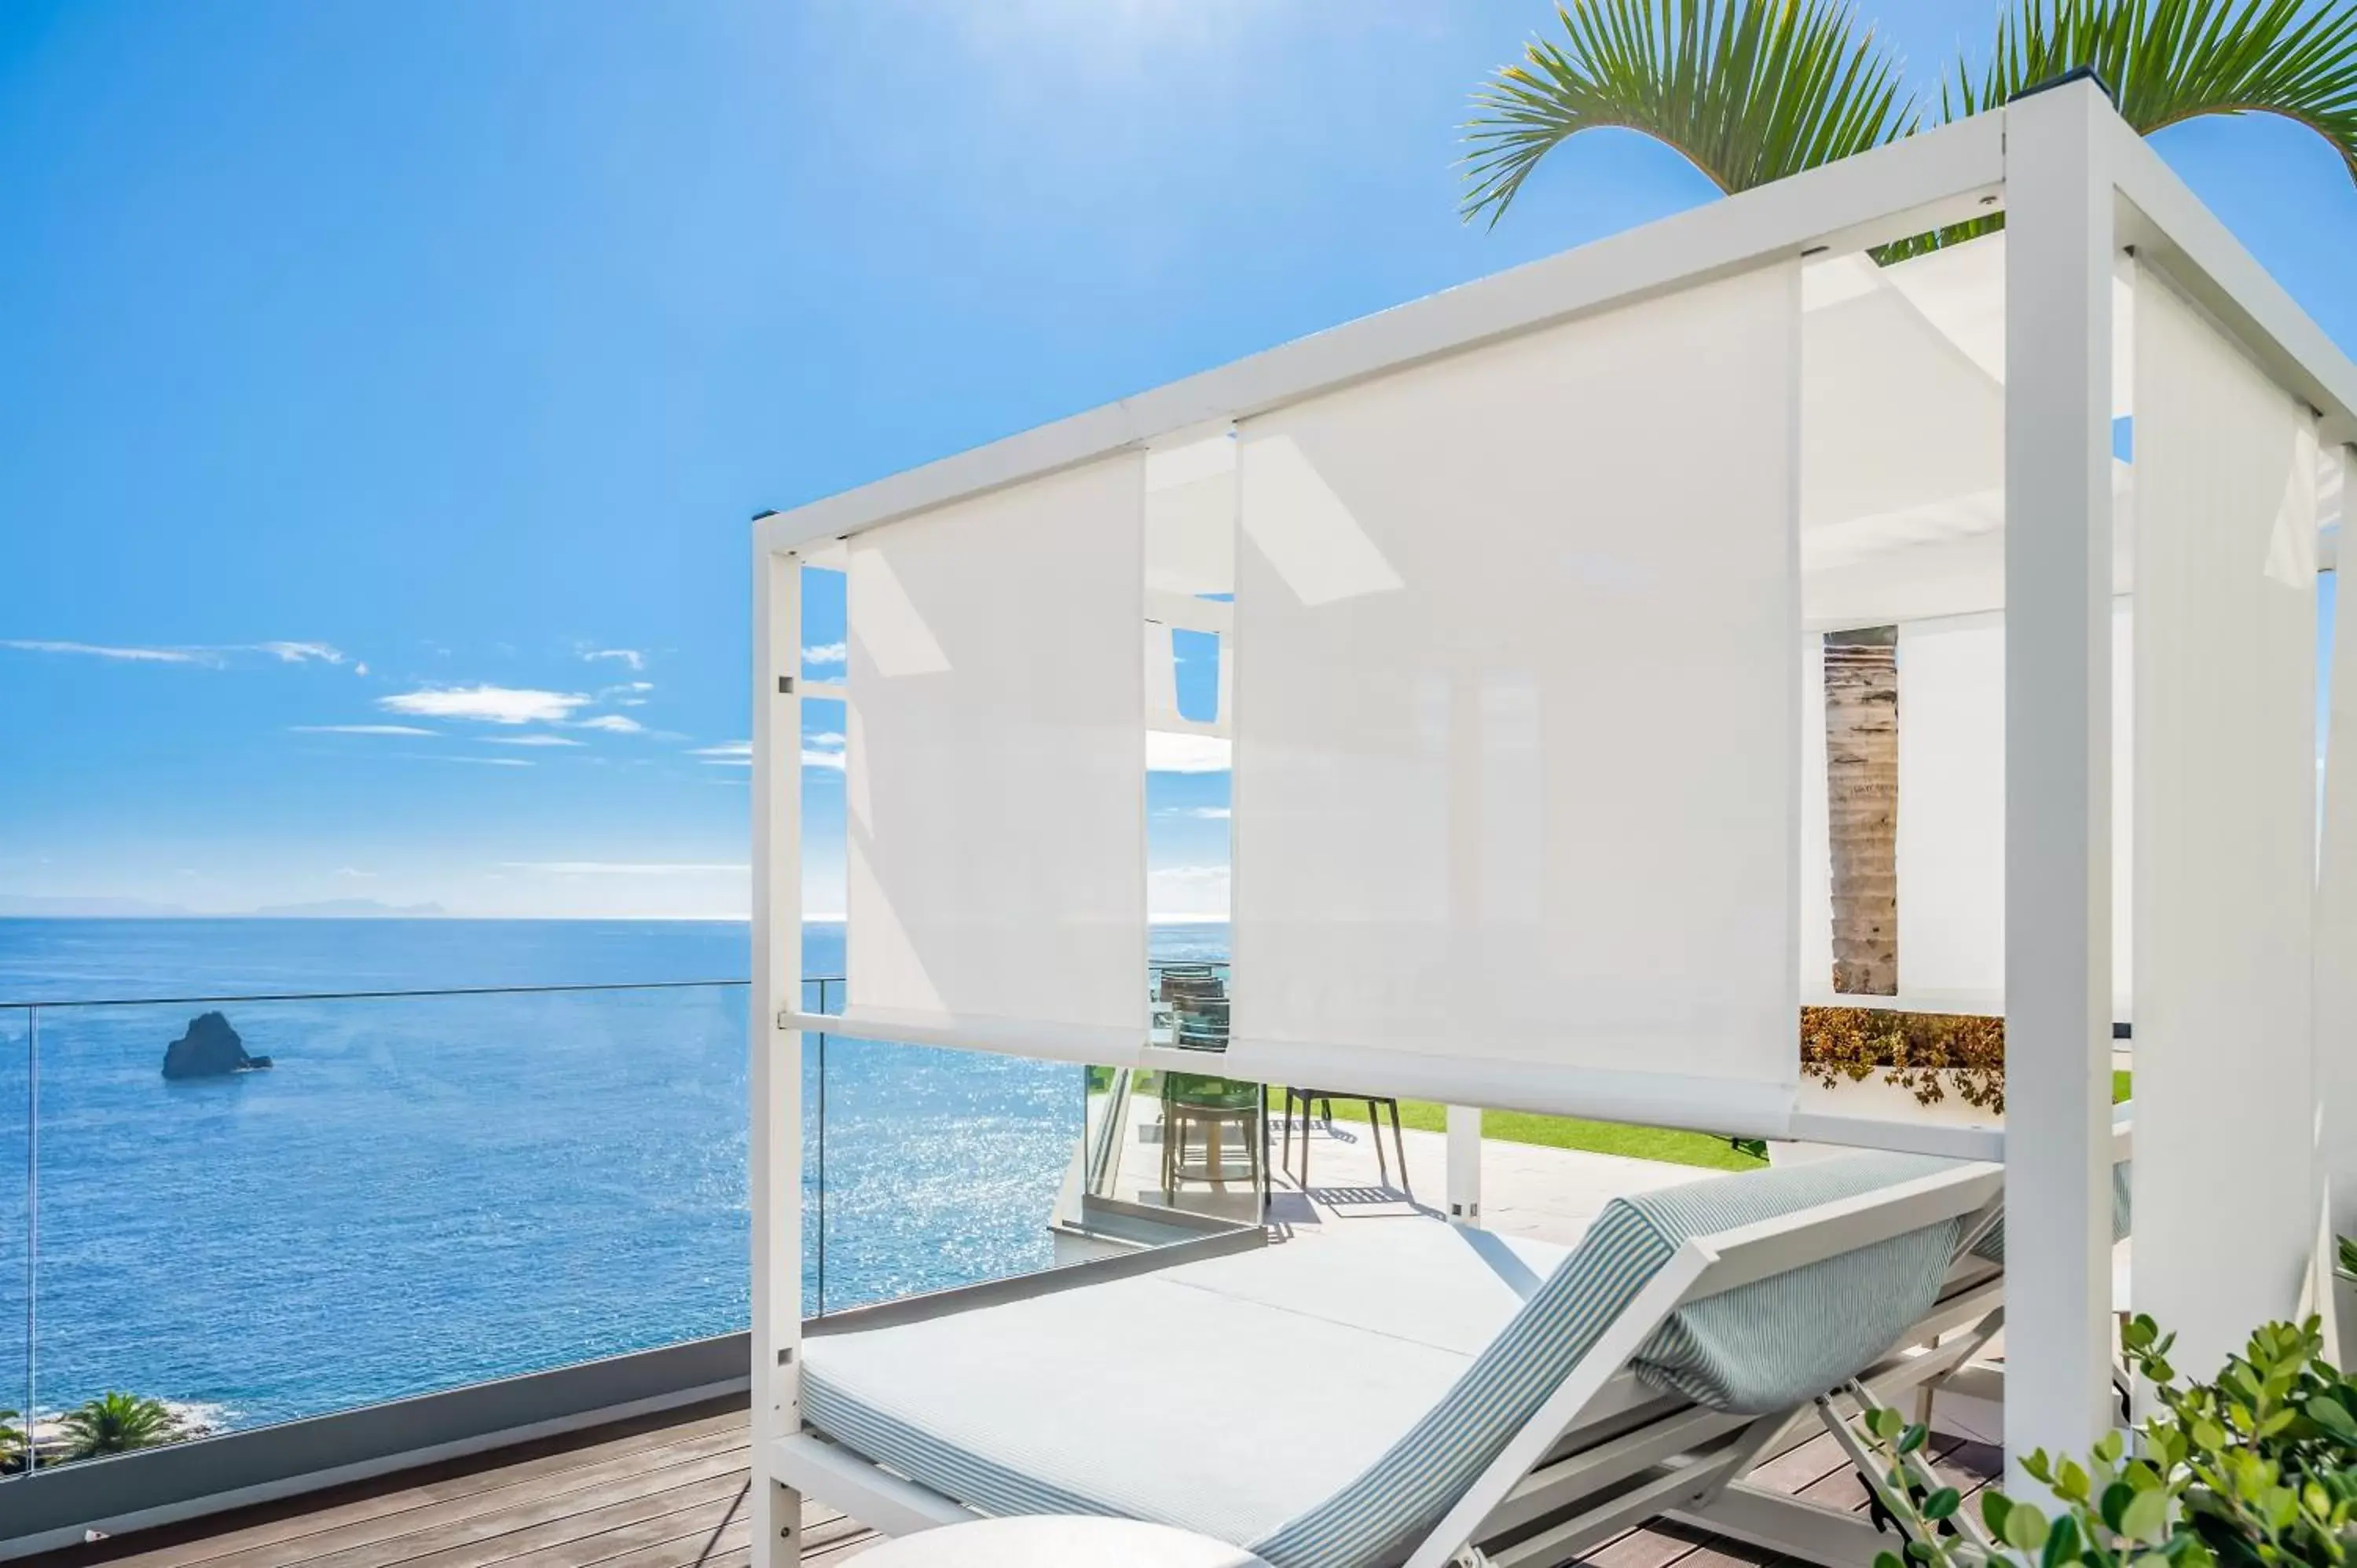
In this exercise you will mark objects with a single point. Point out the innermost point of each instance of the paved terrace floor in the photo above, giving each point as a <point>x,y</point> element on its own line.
<point>669,1492</point>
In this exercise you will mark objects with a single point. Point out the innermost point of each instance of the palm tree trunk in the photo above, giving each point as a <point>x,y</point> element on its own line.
<point>1862,798</point>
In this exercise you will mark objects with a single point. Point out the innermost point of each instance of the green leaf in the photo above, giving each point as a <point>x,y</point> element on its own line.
<point>1914,1438</point>
<point>2170,60</point>
<point>1888,1560</point>
<point>2114,1502</point>
<point>2062,1544</point>
<point>2145,1517</point>
<point>2333,1417</point>
<point>1940,1504</point>
<point>2025,1528</point>
<point>2070,1482</point>
<point>1995,1506</point>
<point>1747,91</point>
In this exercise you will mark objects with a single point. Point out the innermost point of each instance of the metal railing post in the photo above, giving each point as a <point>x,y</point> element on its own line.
<point>32,1231</point>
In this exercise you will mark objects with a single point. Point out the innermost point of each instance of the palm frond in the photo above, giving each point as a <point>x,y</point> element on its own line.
<point>2170,60</point>
<point>1748,90</point>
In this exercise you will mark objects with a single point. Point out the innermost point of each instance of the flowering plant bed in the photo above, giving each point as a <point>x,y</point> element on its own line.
<point>1927,1054</point>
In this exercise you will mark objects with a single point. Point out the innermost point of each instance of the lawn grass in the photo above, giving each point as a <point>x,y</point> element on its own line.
<point>1563,1133</point>
<point>1663,1143</point>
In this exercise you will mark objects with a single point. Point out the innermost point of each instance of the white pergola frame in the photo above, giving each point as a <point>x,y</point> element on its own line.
<point>2078,187</point>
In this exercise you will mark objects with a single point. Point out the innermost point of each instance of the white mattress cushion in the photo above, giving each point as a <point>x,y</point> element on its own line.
<point>1225,1396</point>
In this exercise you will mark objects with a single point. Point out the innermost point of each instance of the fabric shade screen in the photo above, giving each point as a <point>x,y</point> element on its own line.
<point>996,771</point>
<point>1902,435</point>
<point>1951,812</point>
<point>2225,814</point>
<point>2335,1057</point>
<point>1516,729</point>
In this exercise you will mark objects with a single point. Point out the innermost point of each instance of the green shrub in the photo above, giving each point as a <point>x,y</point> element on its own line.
<point>2258,1467</point>
<point>117,1422</point>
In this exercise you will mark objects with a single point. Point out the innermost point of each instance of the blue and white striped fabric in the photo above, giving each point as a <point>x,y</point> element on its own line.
<point>1828,1320</point>
<point>1768,1346</point>
<point>1992,1246</point>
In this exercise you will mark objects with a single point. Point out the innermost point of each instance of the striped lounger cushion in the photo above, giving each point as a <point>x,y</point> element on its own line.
<point>1433,1414</point>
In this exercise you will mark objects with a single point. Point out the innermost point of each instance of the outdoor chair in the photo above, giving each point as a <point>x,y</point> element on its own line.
<point>1193,1102</point>
<point>1445,1387</point>
<point>1312,1097</point>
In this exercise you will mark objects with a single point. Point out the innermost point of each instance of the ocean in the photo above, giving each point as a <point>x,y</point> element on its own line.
<point>424,1192</point>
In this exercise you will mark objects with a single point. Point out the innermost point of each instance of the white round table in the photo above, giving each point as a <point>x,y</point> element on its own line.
<point>1052,1540</point>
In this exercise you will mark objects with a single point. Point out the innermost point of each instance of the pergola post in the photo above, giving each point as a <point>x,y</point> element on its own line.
<point>1464,1193</point>
<point>2058,793</point>
<point>774,1086</point>
<point>2335,1037</point>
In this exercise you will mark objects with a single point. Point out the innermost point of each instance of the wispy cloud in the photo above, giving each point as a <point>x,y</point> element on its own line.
<point>628,695</point>
<point>824,750</point>
<point>612,723</point>
<point>626,656</point>
<point>534,739</point>
<point>728,754</point>
<point>484,761</point>
<point>124,655</point>
<point>1174,751</point>
<point>213,657</point>
<point>1204,813</point>
<point>488,704</point>
<point>626,867</point>
<point>358,729</point>
<point>301,652</point>
<point>354,871</point>
<point>827,653</point>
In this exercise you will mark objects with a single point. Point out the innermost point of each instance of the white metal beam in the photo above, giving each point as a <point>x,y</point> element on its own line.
<point>774,1145</point>
<point>1941,177</point>
<point>2170,228</point>
<point>2058,792</point>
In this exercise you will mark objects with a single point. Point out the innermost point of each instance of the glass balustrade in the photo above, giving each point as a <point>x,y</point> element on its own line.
<point>252,1208</point>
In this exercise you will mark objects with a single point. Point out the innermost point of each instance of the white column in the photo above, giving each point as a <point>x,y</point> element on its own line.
<point>774,1149</point>
<point>2336,904</point>
<point>1465,1167</point>
<point>2058,957</point>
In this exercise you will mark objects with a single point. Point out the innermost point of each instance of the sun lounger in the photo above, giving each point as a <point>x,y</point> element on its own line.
<point>1331,1405</point>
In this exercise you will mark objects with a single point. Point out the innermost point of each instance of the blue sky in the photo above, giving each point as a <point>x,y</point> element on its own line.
<point>370,368</point>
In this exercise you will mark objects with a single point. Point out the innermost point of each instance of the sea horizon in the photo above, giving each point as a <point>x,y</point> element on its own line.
<point>427,1191</point>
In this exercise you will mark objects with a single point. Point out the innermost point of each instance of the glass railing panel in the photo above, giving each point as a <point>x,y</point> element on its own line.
<point>419,1192</point>
<point>1189,1141</point>
<point>18,1389</point>
<point>940,1167</point>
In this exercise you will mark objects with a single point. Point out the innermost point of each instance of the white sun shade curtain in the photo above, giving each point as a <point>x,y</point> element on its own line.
<point>2335,1056</point>
<point>2225,819</point>
<point>1952,810</point>
<point>1517,729</point>
<point>1902,435</point>
<point>995,773</point>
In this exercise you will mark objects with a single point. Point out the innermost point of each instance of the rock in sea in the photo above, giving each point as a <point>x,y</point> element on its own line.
<point>209,1049</point>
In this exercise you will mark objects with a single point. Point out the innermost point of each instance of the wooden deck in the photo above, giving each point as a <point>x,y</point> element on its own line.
<point>670,1492</point>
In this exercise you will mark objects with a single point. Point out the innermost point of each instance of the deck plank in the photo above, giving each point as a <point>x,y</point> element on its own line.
<point>288,1533</point>
<point>609,1497</point>
<point>650,1495</point>
<point>574,1537</point>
